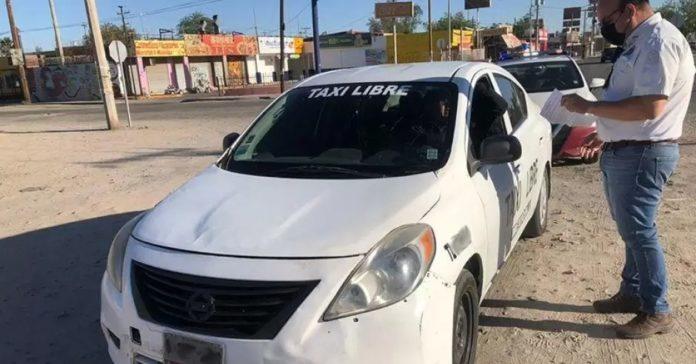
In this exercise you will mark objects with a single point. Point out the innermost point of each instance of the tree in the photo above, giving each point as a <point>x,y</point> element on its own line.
<point>458,21</point>
<point>521,27</point>
<point>668,10</point>
<point>5,46</point>
<point>404,25</point>
<point>112,32</point>
<point>191,23</point>
<point>687,10</point>
<point>680,12</point>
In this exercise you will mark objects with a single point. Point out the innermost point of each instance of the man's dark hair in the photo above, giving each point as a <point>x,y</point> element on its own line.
<point>636,2</point>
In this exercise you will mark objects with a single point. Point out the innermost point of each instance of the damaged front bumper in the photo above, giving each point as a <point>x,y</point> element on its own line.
<point>417,329</point>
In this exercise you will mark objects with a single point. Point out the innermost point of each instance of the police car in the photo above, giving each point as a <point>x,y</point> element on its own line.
<point>540,76</point>
<point>359,219</point>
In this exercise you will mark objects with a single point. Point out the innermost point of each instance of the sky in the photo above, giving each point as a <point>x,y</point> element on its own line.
<point>148,16</point>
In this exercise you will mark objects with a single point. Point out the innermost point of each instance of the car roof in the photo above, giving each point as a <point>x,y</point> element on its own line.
<point>408,72</point>
<point>536,59</point>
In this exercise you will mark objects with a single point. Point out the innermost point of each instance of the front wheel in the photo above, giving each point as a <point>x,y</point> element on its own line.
<point>465,325</point>
<point>537,225</point>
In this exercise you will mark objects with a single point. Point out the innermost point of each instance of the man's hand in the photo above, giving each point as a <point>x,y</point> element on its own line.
<point>575,103</point>
<point>591,147</point>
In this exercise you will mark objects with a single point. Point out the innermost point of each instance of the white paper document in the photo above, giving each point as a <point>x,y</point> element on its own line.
<point>557,114</point>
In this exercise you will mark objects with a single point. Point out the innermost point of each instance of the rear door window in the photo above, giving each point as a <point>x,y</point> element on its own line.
<point>514,96</point>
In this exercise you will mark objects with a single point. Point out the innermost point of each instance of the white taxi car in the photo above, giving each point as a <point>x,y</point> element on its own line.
<point>541,75</point>
<point>359,219</point>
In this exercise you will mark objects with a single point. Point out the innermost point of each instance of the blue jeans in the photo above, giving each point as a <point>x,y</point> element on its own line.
<point>634,177</point>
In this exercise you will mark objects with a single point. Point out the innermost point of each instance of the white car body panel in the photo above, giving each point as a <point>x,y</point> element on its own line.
<point>226,213</point>
<point>540,97</point>
<point>225,225</point>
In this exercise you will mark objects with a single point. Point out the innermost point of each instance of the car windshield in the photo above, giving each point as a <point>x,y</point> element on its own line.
<point>366,130</point>
<point>547,76</point>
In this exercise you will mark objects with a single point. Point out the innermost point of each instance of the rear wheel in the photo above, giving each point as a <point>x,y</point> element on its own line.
<point>465,325</point>
<point>537,225</point>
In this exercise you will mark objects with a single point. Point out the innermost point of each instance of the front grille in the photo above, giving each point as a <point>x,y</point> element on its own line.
<point>213,306</point>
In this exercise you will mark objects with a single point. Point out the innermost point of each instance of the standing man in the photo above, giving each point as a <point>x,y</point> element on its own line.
<point>640,121</point>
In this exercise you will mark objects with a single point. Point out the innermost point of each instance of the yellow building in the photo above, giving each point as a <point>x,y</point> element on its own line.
<point>413,47</point>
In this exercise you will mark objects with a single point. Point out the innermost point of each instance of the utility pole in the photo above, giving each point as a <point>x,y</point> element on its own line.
<point>102,66</point>
<point>315,36</point>
<point>461,35</point>
<point>282,46</point>
<point>128,41</point>
<point>449,30</point>
<point>592,32</point>
<point>258,49</point>
<point>537,23</point>
<point>18,48</point>
<point>123,22</point>
<point>396,49</point>
<point>430,31</point>
<point>56,30</point>
<point>584,28</point>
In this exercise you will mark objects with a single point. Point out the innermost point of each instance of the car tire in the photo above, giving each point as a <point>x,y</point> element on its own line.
<point>465,319</point>
<point>537,225</point>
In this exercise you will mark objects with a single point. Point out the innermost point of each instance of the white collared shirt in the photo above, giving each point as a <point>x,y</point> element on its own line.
<point>657,61</point>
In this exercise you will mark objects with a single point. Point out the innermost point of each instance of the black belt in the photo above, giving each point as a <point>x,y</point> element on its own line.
<point>636,143</point>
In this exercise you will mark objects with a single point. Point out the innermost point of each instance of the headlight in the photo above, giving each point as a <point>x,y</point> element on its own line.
<point>114,264</point>
<point>390,272</point>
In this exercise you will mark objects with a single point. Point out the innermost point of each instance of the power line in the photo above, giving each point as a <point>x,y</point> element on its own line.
<point>186,5</point>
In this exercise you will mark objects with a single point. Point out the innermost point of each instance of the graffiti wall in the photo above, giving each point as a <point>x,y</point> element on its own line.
<point>56,83</point>
<point>200,77</point>
<point>235,72</point>
<point>219,45</point>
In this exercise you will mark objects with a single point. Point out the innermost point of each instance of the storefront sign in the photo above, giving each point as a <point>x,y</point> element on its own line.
<point>220,45</point>
<point>159,48</point>
<point>271,45</point>
<point>345,40</point>
<point>394,10</point>
<point>16,57</point>
<point>476,4</point>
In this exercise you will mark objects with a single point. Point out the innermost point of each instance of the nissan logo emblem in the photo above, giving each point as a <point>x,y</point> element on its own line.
<point>200,306</point>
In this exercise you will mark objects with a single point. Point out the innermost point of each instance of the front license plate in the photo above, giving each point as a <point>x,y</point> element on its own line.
<point>183,350</point>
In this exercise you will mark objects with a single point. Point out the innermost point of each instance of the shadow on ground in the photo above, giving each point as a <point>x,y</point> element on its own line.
<point>53,131</point>
<point>155,154</point>
<point>49,292</point>
<point>600,331</point>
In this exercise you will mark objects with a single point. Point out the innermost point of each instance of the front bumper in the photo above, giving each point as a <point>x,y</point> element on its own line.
<point>415,330</point>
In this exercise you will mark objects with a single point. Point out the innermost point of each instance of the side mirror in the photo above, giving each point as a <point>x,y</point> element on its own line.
<point>228,140</point>
<point>597,83</point>
<point>500,149</point>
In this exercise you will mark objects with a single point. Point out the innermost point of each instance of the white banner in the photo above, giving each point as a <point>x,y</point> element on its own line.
<point>271,45</point>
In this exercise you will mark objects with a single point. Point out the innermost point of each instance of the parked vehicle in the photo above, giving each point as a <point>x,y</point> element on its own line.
<point>611,54</point>
<point>360,219</point>
<point>540,76</point>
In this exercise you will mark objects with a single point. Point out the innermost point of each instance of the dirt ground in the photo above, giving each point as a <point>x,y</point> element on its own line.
<point>66,188</point>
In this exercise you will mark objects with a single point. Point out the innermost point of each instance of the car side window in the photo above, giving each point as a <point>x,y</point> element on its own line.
<point>517,103</point>
<point>487,111</point>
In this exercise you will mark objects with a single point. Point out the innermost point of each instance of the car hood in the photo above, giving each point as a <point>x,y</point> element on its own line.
<point>540,98</point>
<point>225,213</point>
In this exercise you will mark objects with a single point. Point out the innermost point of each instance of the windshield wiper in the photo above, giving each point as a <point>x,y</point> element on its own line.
<point>322,169</point>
